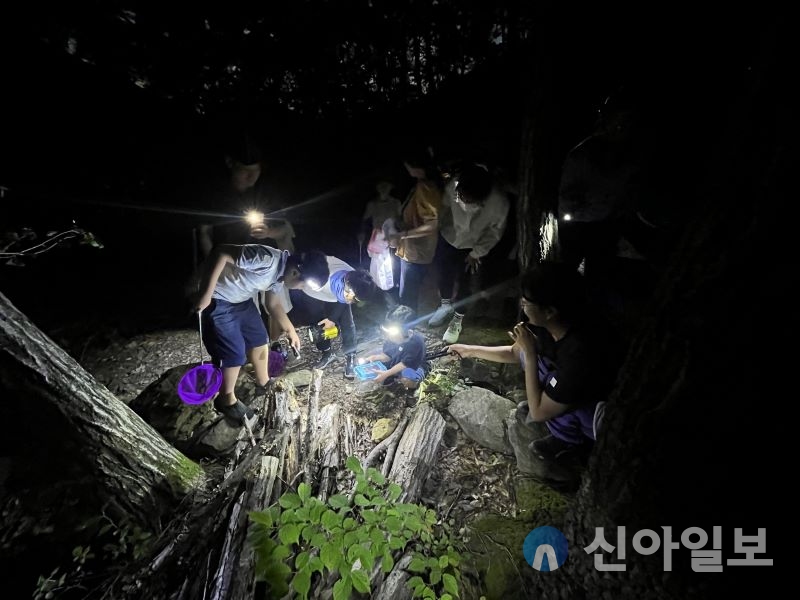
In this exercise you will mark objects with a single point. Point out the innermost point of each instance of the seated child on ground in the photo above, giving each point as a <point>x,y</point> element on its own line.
<point>403,350</point>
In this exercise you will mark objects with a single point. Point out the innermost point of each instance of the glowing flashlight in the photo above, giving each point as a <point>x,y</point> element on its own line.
<point>568,217</point>
<point>254,217</point>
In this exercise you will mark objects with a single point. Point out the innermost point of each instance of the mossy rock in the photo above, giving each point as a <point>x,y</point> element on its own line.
<point>488,334</point>
<point>539,502</point>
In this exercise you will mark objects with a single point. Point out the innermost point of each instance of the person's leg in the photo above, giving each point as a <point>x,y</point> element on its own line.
<point>342,315</point>
<point>447,264</point>
<point>257,343</point>
<point>411,276</point>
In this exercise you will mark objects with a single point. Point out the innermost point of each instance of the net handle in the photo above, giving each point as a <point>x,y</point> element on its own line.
<point>200,330</point>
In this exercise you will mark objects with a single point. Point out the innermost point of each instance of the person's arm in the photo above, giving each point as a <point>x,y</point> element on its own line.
<point>428,227</point>
<point>498,354</point>
<point>205,239</point>
<point>493,233</point>
<point>210,272</point>
<point>277,312</point>
<point>379,357</point>
<point>384,375</point>
<point>541,407</point>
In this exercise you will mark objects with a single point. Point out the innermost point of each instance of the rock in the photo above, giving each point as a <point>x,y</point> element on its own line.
<point>520,436</point>
<point>382,429</point>
<point>481,414</point>
<point>301,378</point>
<point>478,370</point>
<point>197,430</point>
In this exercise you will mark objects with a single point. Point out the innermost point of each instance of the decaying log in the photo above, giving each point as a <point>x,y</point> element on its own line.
<point>326,447</point>
<point>135,468</point>
<point>286,420</point>
<point>416,451</point>
<point>394,586</point>
<point>382,446</point>
<point>311,425</point>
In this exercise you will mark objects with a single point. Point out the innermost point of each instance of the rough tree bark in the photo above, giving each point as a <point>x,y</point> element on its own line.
<point>137,471</point>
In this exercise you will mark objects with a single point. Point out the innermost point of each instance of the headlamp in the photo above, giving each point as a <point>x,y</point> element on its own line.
<point>313,284</point>
<point>392,329</point>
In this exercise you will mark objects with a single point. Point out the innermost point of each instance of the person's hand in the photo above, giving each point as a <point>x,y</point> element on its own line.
<point>393,239</point>
<point>525,339</point>
<point>459,350</point>
<point>472,264</point>
<point>381,377</point>
<point>294,340</point>
<point>327,323</point>
<point>201,302</point>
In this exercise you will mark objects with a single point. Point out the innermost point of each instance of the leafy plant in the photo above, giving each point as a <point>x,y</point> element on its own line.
<point>302,535</point>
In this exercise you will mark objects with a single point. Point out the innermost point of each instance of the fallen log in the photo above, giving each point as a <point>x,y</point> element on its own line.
<point>326,449</point>
<point>394,586</point>
<point>417,451</point>
<point>311,426</point>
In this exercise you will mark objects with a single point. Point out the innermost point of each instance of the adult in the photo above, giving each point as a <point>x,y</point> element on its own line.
<point>473,221</point>
<point>415,238</point>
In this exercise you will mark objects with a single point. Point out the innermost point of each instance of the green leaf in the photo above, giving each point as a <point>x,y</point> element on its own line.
<point>262,518</point>
<point>302,583</point>
<point>453,558</point>
<point>387,564</point>
<point>370,516</point>
<point>289,534</point>
<point>330,520</point>
<point>339,501</point>
<point>397,542</point>
<point>430,517</point>
<point>330,555</point>
<point>301,560</point>
<point>304,491</point>
<point>350,538</point>
<point>378,501</point>
<point>433,563</point>
<point>342,588</point>
<point>377,537</point>
<point>435,576</point>
<point>428,593</point>
<point>417,565</point>
<point>315,514</point>
<point>288,516</point>
<point>413,523</point>
<point>448,597</point>
<point>450,584</point>
<point>376,476</point>
<point>280,553</point>
<point>394,491</point>
<point>415,583</point>
<point>315,564</point>
<point>308,532</point>
<point>290,500</point>
<point>318,540</point>
<point>361,500</point>
<point>354,465</point>
<point>360,581</point>
<point>349,523</point>
<point>393,524</point>
<point>303,514</point>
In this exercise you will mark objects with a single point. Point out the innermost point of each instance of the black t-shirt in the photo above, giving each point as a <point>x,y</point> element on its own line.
<point>411,352</point>
<point>580,368</point>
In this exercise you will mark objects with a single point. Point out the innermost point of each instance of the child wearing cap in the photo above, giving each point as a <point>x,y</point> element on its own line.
<point>403,350</point>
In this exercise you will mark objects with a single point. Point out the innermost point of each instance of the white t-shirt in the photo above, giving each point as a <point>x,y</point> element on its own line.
<point>256,269</point>
<point>325,293</point>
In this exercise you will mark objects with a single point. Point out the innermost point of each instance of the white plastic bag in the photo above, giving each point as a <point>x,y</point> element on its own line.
<point>380,267</point>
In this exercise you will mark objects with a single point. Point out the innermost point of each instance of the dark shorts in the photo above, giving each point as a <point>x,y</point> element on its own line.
<point>229,330</point>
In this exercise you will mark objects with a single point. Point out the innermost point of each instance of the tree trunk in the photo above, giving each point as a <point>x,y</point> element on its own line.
<point>137,471</point>
<point>686,429</point>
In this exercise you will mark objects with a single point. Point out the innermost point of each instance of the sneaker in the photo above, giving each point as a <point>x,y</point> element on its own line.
<point>444,312</point>
<point>549,447</point>
<point>453,330</point>
<point>327,358</point>
<point>237,412</point>
<point>349,366</point>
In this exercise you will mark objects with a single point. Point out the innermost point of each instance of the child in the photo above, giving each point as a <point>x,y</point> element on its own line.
<point>403,351</point>
<point>233,331</point>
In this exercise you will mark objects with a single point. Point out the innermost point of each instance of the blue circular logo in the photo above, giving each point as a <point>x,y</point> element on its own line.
<point>545,548</point>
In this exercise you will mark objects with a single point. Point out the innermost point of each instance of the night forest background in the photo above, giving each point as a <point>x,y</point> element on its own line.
<point>112,110</point>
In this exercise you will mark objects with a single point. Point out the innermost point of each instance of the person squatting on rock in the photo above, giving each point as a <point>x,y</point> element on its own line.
<point>233,331</point>
<point>570,360</point>
<point>403,352</point>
